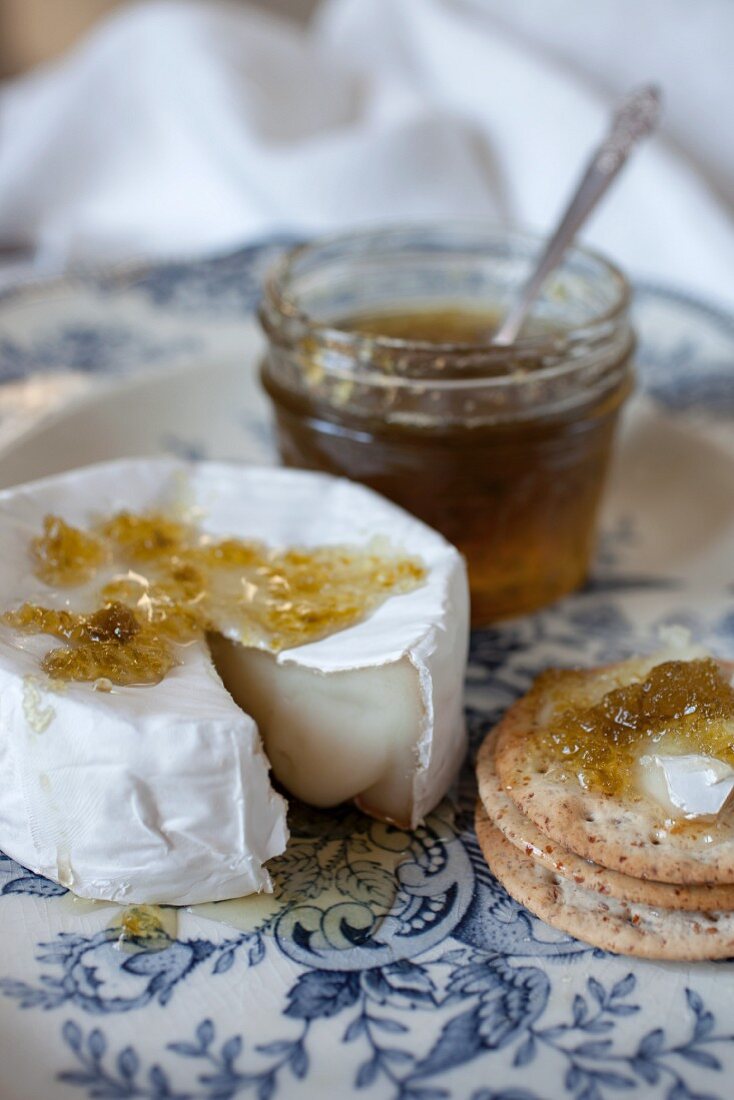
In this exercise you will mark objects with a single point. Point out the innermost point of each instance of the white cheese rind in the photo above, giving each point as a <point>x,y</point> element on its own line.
<point>135,803</point>
<point>162,794</point>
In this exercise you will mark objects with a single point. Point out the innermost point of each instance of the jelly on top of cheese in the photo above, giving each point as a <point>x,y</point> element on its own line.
<point>598,726</point>
<point>166,583</point>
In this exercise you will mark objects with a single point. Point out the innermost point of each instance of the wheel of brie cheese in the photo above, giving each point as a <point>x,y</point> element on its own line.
<point>160,792</point>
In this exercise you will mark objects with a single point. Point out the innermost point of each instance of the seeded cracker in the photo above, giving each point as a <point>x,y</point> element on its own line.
<point>625,834</point>
<point>610,924</point>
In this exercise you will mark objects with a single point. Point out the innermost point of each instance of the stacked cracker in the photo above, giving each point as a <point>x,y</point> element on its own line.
<point>596,866</point>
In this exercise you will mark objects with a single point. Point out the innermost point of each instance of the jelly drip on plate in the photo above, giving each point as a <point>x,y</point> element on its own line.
<point>131,928</point>
<point>145,928</point>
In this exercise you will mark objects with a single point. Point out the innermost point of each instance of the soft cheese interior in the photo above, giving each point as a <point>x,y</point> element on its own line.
<point>162,793</point>
<point>356,739</point>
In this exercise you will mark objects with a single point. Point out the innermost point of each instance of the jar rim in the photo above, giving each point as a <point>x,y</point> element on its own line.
<point>287,306</point>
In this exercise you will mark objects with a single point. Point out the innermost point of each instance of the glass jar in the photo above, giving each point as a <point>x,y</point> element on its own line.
<point>504,450</point>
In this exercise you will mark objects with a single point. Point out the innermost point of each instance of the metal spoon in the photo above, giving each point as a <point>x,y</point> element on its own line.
<point>633,120</point>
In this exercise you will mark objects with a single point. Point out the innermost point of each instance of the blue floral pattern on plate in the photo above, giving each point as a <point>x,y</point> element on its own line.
<point>449,988</point>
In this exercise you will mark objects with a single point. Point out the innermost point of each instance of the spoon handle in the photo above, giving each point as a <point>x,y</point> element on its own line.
<point>634,119</point>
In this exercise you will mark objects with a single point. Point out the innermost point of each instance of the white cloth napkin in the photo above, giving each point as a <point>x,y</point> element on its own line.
<point>181,126</point>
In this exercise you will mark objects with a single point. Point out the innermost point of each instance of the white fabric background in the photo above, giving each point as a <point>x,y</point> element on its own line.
<point>189,125</point>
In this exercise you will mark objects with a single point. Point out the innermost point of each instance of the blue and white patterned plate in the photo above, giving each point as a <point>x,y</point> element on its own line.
<point>392,967</point>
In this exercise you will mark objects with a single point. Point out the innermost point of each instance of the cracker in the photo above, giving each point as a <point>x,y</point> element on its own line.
<point>520,831</point>
<point>624,835</point>
<point>612,925</point>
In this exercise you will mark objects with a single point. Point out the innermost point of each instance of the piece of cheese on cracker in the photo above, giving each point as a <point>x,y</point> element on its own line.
<point>691,784</point>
